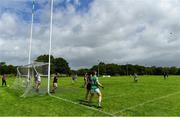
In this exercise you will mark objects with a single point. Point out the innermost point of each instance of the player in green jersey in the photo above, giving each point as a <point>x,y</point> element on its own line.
<point>95,88</point>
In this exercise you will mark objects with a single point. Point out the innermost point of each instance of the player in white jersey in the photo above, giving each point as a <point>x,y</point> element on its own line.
<point>38,82</point>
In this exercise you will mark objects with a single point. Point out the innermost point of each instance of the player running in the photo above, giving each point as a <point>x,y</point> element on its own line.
<point>95,88</point>
<point>55,83</point>
<point>135,77</point>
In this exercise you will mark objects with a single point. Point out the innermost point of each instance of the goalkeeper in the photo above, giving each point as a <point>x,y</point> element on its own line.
<point>95,88</point>
<point>38,82</point>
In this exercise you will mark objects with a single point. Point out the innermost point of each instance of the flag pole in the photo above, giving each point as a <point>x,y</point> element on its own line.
<point>50,40</point>
<point>30,39</point>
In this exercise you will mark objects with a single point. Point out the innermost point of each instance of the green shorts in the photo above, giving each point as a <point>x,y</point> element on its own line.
<point>95,90</point>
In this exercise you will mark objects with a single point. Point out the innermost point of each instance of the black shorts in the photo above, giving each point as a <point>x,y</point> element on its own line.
<point>88,87</point>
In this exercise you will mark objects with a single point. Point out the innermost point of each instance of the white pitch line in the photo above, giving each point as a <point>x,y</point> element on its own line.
<point>147,102</point>
<point>91,108</point>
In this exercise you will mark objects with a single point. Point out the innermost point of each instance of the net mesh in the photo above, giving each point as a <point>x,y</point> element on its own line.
<point>29,78</point>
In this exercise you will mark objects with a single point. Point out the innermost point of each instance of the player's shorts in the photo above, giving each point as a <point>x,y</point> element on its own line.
<point>55,85</point>
<point>38,82</point>
<point>95,90</point>
<point>88,86</point>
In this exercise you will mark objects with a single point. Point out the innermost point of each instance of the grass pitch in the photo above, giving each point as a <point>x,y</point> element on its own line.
<point>151,96</point>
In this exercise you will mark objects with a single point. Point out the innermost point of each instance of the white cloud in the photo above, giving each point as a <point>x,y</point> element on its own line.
<point>134,31</point>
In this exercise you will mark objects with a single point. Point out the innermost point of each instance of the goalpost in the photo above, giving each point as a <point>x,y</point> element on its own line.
<point>50,40</point>
<point>26,81</point>
<point>26,73</point>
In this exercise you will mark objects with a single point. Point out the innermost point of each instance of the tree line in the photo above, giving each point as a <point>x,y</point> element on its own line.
<point>7,69</point>
<point>60,65</point>
<point>129,69</point>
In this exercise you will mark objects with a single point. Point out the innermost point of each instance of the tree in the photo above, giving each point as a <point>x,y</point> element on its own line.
<point>4,69</point>
<point>82,72</point>
<point>45,58</point>
<point>112,69</point>
<point>178,72</point>
<point>11,69</point>
<point>7,69</point>
<point>2,63</point>
<point>61,66</point>
<point>173,70</point>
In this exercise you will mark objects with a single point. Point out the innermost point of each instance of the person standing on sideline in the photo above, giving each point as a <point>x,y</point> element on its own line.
<point>4,78</point>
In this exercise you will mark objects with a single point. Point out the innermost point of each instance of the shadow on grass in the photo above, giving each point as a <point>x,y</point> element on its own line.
<point>86,103</point>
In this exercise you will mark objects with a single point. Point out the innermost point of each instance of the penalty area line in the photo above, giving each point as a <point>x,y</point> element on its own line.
<point>75,103</point>
<point>150,101</point>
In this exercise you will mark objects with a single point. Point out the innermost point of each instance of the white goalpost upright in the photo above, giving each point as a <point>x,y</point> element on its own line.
<point>27,73</point>
<point>31,34</point>
<point>50,41</point>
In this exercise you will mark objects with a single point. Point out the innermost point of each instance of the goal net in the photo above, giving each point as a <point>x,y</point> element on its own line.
<point>31,79</point>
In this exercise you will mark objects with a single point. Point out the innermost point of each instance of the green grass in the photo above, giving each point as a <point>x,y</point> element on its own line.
<point>151,96</point>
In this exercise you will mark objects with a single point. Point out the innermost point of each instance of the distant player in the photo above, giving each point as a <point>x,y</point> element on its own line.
<point>135,76</point>
<point>38,82</point>
<point>4,78</point>
<point>88,85</point>
<point>95,88</point>
<point>165,75</point>
<point>85,79</point>
<point>55,83</point>
<point>74,78</point>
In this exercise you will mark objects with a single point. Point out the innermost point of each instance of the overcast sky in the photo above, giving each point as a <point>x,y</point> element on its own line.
<point>145,32</point>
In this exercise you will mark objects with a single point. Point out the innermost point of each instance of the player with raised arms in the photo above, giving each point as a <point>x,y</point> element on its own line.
<point>38,82</point>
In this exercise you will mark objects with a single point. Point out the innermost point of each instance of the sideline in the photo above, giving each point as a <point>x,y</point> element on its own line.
<point>91,108</point>
<point>141,104</point>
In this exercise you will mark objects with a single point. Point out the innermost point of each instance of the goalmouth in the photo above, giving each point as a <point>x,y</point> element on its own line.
<point>26,80</point>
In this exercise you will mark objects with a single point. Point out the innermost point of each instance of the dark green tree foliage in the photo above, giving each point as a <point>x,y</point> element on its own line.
<point>58,65</point>
<point>178,72</point>
<point>173,70</point>
<point>112,69</point>
<point>45,58</point>
<point>11,69</point>
<point>82,72</point>
<point>7,69</point>
<point>61,66</point>
<point>72,72</point>
<point>129,69</point>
